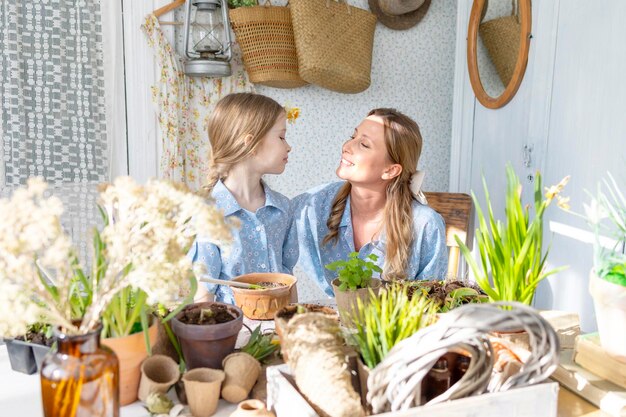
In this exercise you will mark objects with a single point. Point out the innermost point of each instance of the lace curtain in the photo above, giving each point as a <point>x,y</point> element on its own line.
<point>52,92</point>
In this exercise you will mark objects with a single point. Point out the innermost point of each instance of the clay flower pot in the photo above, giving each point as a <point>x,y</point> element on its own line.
<point>242,371</point>
<point>130,351</point>
<point>158,374</point>
<point>346,300</point>
<point>263,304</point>
<point>202,386</point>
<point>609,301</point>
<point>205,346</point>
<point>252,408</point>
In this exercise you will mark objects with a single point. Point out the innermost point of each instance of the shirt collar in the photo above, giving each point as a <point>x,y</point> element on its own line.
<point>225,200</point>
<point>346,218</point>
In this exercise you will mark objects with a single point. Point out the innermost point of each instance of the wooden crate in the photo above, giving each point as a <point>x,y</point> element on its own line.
<point>535,401</point>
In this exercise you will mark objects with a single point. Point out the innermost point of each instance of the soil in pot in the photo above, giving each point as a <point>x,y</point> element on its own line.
<point>211,314</point>
<point>207,333</point>
<point>442,292</point>
<point>267,284</point>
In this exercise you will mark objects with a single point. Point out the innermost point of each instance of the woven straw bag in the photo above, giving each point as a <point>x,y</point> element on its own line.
<point>501,37</point>
<point>265,35</point>
<point>334,42</point>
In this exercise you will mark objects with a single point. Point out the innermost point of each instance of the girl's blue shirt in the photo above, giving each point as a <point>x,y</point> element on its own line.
<point>266,241</point>
<point>428,257</point>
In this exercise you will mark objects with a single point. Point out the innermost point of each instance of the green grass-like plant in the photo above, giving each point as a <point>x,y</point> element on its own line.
<point>511,253</point>
<point>260,345</point>
<point>355,273</point>
<point>389,318</point>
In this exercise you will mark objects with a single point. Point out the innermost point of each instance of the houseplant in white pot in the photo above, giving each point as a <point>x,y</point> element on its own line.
<point>607,281</point>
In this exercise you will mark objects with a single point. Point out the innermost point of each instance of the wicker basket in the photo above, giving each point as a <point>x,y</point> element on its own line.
<point>334,43</point>
<point>265,35</point>
<point>501,38</point>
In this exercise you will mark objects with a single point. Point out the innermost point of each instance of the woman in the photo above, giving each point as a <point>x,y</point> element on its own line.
<point>374,210</point>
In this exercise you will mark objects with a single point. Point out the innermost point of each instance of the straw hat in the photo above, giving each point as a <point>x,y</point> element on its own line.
<point>399,14</point>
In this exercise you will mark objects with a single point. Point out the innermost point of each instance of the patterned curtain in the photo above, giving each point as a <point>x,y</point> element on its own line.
<point>52,91</point>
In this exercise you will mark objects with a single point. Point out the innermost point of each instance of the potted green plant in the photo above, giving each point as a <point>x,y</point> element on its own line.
<point>606,214</point>
<point>389,317</point>
<point>242,368</point>
<point>207,332</point>
<point>139,260</point>
<point>354,281</point>
<point>27,351</point>
<point>447,295</point>
<point>512,254</point>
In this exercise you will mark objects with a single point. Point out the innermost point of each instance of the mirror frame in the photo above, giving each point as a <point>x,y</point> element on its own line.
<point>522,56</point>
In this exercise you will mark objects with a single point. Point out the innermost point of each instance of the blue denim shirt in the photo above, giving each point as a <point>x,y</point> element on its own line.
<point>266,241</point>
<point>428,257</point>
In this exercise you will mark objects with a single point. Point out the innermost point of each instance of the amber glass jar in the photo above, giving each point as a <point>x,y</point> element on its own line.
<point>81,379</point>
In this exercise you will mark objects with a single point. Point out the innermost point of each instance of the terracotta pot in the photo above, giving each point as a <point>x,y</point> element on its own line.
<point>609,301</point>
<point>130,351</point>
<point>286,313</point>
<point>263,304</point>
<point>202,386</point>
<point>205,346</point>
<point>346,300</point>
<point>242,371</point>
<point>252,408</point>
<point>158,374</point>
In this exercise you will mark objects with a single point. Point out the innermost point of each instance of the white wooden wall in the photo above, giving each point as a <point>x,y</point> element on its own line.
<point>570,109</point>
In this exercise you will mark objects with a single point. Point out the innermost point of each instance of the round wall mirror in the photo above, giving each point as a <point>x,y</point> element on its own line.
<point>498,41</point>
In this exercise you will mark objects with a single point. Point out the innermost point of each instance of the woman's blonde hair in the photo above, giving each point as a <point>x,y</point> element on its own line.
<point>404,146</point>
<point>236,127</point>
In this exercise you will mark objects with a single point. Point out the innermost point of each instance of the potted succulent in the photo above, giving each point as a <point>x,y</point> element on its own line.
<point>512,254</point>
<point>607,281</point>
<point>242,368</point>
<point>354,281</point>
<point>207,332</point>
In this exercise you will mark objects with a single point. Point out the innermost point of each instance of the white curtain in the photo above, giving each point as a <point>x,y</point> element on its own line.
<point>52,92</point>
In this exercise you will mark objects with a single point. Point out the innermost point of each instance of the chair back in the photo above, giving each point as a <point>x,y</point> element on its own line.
<point>456,210</point>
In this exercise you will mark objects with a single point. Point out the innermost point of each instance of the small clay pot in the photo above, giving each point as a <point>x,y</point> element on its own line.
<point>203,386</point>
<point>242,371</point>
<point>263,304</point>
<point>252,408</point>
<point>158,374</point>
<point>346,300</point>
<point>205,346</point>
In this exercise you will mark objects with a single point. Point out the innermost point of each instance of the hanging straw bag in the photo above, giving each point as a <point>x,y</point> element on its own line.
<point>501,37</point>
<point>334,42</point>
<point>265,35</point>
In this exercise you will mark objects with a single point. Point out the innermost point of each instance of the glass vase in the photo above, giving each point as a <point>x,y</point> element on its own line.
<point>81,379</point>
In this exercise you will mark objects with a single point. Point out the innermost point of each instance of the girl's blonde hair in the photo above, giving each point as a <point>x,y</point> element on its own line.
<point>236,127</point>
<point>404,146</point>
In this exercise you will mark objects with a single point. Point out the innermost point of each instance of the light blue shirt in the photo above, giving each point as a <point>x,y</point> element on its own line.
<point>265,242</point>
<point>428,257</point>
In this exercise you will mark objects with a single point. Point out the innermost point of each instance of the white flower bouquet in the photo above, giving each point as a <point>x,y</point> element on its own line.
<point>139,257</point>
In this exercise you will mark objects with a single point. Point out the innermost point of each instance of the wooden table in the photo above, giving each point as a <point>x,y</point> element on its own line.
<point>571,405</point>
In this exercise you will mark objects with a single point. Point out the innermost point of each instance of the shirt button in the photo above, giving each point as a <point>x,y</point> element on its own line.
<point>258,228</point>
<point>263,266</point>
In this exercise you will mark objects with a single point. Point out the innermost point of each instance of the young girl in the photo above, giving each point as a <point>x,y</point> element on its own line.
<point>247,135</point>
<point>378,208</point>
